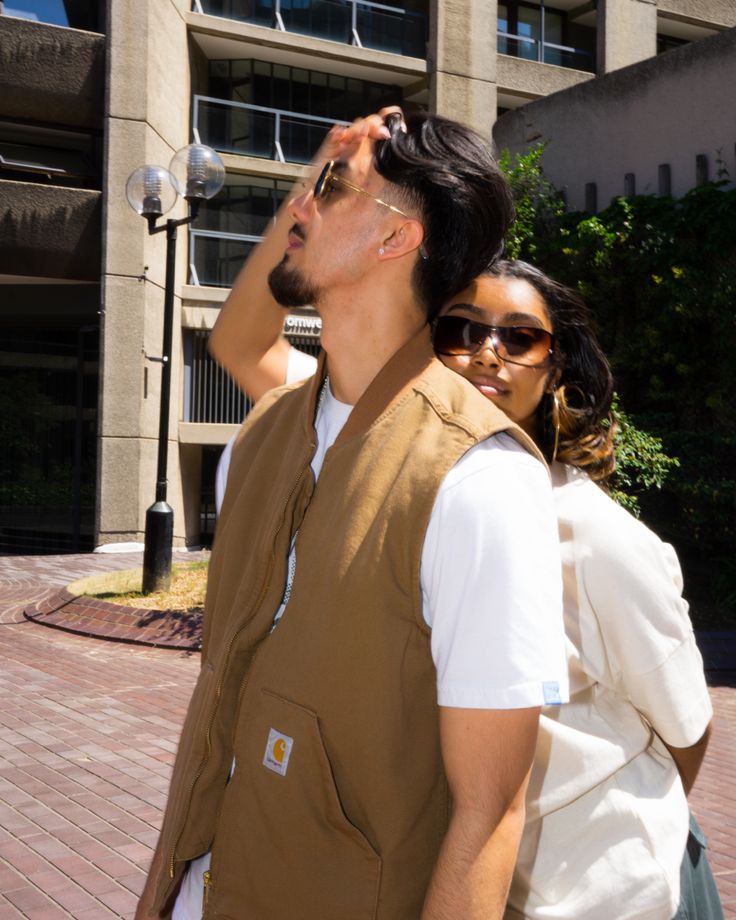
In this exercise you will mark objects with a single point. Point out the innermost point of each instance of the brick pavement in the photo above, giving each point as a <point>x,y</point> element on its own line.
<point>87,739</point>
<point>88,731</point>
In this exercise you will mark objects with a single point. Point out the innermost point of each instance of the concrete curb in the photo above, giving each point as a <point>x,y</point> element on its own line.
<point>100,619</point>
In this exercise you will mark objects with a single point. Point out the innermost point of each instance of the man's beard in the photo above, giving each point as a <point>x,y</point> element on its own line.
<point>290,288</point>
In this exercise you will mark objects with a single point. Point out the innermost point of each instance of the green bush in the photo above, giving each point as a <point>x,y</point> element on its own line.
<point>641,463</point>
<point>659,275</point>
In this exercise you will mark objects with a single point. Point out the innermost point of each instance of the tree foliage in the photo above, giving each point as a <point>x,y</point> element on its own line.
<point>641,463</point>
<point>659,275</point>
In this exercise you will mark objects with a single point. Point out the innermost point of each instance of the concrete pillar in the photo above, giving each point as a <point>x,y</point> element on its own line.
<point>627,32</point>
<point>146,121</point>
<point>462,52</point>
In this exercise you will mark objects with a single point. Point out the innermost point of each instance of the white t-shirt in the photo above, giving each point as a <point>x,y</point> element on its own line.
<point>490,582</point>
<point>607,817</point>
<point>496,634</point>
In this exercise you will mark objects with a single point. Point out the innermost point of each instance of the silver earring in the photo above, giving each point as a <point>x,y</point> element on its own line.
<point>381,251</point>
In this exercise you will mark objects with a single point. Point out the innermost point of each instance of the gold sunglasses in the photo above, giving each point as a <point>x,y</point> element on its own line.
<point>328,178</point>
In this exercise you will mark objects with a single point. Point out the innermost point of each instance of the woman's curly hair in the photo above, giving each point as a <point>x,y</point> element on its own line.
<point>576,424</point>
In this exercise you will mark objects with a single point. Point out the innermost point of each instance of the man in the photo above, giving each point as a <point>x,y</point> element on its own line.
<point>383,614</point>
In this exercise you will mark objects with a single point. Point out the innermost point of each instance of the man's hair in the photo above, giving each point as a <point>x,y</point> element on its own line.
<point>446,171</point>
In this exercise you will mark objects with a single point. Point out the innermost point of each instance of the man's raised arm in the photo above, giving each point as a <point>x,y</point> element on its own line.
<point>247,339</point>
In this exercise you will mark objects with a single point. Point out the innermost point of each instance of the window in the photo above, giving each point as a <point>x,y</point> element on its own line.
<point>49,156</point>
<point>537,32</point>
<point>400,29</point>
<point>276,111</point>
<point>229,225</point>
<point>294,89</point>
<point>82,14</point>
<point>667,42</point>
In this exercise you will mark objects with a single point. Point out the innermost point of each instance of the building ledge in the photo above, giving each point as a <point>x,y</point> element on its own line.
<point>533,80</point>
<point>199,316</point>
<point>261,166</point>
<point>704,15</point>
<point>49,231</point>
<point>206,434</point>
<point>219,37</point>
<point>51,74</point>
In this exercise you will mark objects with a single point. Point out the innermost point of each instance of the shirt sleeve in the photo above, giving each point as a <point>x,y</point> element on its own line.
<point>299,366</point>
<point>221,473</point>
<point>632,582</point>
<point>491,583</point>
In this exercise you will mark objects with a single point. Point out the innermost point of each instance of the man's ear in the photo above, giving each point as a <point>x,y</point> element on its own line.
<point>407,237</point>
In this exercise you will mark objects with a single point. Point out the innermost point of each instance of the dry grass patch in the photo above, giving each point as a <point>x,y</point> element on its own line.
<point>186,594</point>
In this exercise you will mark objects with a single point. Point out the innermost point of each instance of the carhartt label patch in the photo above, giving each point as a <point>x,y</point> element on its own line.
<point>551,691</point>
<point>278,751</point>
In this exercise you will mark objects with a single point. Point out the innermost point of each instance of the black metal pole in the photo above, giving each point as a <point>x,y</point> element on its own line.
<point>160,516</point>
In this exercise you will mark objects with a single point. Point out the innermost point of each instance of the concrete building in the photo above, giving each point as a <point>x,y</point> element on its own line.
<point>661,126</point>
<point>92,90</point>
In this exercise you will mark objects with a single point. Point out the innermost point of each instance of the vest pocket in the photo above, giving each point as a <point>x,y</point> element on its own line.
<point>284,846</point>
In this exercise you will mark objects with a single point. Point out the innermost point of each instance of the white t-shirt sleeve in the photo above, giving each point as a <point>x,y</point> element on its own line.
<point>223,468</point>
<point>491,583</point>
<point>299,366</point>
<point>632,581</point>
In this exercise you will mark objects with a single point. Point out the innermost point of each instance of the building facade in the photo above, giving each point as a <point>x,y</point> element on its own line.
<point>661,126</point>
<point>91,91</point>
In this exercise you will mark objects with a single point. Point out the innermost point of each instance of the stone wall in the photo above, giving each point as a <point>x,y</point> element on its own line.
<point>665,111</point>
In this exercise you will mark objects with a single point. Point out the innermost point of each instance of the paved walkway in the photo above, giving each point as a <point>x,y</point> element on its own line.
<point>88,731</point>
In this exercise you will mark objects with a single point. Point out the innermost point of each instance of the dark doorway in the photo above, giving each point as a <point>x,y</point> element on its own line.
<point>49,371</point>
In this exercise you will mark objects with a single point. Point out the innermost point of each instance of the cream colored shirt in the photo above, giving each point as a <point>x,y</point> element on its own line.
<point>607,816</point>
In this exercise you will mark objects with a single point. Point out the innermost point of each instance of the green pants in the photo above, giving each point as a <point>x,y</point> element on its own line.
<point>698,894</point>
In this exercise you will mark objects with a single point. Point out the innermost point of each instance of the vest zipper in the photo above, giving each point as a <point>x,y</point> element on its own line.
<point>218,690</point>
<point>207,877</point>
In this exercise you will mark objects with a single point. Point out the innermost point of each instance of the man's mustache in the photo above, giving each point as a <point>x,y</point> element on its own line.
<point>298,231</point>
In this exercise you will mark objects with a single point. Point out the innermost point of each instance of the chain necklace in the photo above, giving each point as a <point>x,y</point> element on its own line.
<point>322,393</point>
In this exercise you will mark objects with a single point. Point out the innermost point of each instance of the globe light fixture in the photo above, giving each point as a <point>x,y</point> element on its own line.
<point>150,191</point>
<point>196,173</point>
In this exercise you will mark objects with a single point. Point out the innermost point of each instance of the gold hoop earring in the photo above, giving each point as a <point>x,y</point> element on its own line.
<point>555,422</point>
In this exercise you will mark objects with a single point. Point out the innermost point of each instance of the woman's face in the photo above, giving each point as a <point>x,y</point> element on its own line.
<point>514,388</point>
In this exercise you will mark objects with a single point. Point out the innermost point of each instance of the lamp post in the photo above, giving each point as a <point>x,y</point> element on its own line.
<point>196,173</point>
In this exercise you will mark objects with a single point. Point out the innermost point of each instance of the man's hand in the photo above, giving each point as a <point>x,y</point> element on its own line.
<point>355,141</point>
<point>487,756</point>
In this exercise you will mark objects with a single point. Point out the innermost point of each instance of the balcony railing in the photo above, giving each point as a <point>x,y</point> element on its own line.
<point>532,49</point>
<point>362,23</point>
<point>256,131</point>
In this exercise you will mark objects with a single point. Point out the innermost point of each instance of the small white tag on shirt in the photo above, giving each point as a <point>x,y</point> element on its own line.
<point>551,692</point>
<point>278,751</point>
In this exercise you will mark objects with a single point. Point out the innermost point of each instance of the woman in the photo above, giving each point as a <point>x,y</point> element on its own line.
<point>607,817</point>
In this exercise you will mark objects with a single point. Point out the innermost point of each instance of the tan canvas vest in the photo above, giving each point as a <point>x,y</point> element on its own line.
<point>338,802</point>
